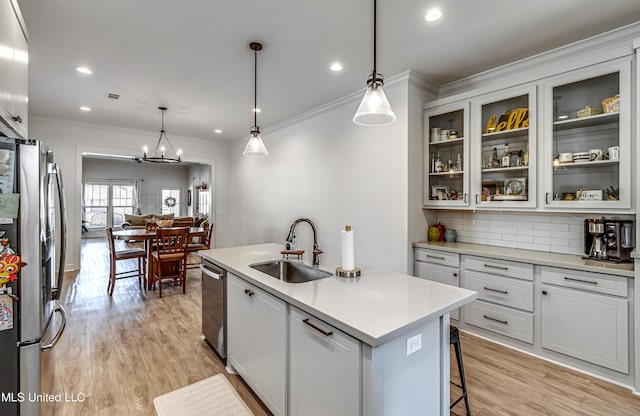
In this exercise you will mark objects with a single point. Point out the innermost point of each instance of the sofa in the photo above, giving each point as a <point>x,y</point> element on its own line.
<point>139,221</point>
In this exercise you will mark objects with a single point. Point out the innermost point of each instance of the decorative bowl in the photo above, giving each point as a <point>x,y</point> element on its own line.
<point>588,111</point>
<point>164,223</point>
<point>611,104</point>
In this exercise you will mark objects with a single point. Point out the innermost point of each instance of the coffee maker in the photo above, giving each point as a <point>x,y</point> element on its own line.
<point>608,239</point>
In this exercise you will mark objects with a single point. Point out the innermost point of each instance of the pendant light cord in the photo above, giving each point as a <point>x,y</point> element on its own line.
<point>255,88</point>
<point>375,72</point>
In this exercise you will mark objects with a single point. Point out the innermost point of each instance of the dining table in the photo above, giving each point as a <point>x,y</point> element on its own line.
<point>147,236</point>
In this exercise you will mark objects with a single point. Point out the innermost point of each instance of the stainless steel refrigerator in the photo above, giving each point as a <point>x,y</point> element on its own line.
<point>32,322</point>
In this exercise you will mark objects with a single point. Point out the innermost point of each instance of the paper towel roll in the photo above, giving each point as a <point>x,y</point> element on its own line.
<point>348,257</point>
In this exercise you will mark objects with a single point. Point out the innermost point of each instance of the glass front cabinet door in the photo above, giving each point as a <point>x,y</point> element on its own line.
<point>446,161</point>
<point>587,138</point>
<point>504,149</point>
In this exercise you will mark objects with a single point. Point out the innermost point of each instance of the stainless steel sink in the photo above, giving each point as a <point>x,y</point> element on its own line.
<point>290,272</point>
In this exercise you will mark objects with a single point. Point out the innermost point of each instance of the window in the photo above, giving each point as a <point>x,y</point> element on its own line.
<point>171,202</point>
<point>104,204</point>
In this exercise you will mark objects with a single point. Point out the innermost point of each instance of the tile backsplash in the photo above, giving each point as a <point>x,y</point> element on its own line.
<point>556,233</point>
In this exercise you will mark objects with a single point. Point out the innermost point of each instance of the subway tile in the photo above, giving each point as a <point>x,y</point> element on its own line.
<point>538,247</point>
<point>538,233</point>
<point>566,250</point>
<point>551,226</point>
<point>519,238</point>
<point>551,241</point>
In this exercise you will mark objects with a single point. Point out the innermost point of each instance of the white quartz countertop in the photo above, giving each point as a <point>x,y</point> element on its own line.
<point>375,308</point>
<point>530,256</point>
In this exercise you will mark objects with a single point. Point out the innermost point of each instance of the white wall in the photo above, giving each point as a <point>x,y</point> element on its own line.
<point>323,166</point>
<point>69,139</point>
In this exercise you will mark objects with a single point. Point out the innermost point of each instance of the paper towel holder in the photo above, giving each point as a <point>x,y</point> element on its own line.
<point>340,272</point>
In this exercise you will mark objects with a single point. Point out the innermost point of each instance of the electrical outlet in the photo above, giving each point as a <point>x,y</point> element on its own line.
<point>414,344</point>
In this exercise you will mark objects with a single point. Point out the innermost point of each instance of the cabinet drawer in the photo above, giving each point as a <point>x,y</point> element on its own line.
<point>593,282</point>
<point>441,274</point>
<point>436,273</point>
<point>505,321</point>
<point>436,256</point>
<point>502,290</point>
<point>500,267</point>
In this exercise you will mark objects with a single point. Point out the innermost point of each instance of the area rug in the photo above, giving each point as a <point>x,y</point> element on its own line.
<point>213,396</point>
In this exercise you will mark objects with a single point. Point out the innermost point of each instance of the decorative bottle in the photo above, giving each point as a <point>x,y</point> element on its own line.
<point>495,162</point>
<point>506,156</point>
<point>525,156</point>
<point>438,163</point>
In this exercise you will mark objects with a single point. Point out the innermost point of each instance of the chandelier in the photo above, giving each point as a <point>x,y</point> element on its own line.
<point>164,151</point>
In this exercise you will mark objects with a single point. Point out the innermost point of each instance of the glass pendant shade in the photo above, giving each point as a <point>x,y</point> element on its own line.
<point>374,109</point>
<point>255,146</point>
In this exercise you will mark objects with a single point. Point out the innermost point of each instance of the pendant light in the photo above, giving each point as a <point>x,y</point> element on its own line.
<point>163,153</point>
<point>255,147</point>
<point>374,109</point>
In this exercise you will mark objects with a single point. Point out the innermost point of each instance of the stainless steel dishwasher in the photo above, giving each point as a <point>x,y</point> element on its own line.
<point>214,310</point>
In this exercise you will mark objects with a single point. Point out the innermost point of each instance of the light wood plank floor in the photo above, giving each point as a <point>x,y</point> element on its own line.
<point>123,351</point>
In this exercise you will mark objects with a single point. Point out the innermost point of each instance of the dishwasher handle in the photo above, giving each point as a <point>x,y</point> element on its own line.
<point>208,272</point>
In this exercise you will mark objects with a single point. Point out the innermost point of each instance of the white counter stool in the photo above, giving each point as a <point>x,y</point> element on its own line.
<point>454,339</point>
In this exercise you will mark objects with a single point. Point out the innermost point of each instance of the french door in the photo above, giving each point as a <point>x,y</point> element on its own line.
<point>105,203</point>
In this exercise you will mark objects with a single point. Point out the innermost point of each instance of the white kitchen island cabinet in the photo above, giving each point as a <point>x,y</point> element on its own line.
<point>324,368</point>
<point>388,353</point>
<point>257,330</point>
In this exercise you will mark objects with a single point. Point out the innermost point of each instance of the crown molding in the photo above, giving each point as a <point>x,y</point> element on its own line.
<point>606,46</point>
<point>404,78</point>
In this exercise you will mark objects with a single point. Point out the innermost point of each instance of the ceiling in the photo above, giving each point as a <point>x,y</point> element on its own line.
<point>193,56</point>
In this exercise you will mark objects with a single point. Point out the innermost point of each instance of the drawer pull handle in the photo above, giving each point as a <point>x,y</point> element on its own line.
<point>495,320</point>
<point>435,257</point>
<point>248,292</point>
<point>322,331</point>
<point>455,275</point>
<point>491,266</point>
<point>504,292</point>
<point>571,279</point>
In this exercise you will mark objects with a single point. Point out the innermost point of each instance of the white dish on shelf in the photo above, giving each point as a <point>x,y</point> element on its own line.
<point>509,197</point>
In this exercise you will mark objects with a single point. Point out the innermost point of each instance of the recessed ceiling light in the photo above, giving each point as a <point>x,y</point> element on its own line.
<point>217,131</point>
<point>336,66</point>
<point>257,110</point>
<point>84,70</point>
<point>85,108</point>
<point>433,15</point>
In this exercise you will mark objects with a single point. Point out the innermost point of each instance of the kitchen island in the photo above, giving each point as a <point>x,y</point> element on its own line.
<point>399,326</point>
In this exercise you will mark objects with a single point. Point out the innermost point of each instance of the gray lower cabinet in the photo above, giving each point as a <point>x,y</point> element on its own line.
<point>505,296</point>
<point>324,368</point>
<point>582,320</point>
<point>438,266</point>
<point>257,341</point>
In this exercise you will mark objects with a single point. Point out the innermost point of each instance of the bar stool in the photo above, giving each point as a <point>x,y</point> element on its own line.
<point>454,339</point>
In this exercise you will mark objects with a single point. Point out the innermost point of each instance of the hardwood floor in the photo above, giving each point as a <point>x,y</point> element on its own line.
<point>123,351</point>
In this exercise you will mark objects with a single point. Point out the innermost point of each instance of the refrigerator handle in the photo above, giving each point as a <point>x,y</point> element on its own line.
<point>56,338</point>
<point>57,290</point>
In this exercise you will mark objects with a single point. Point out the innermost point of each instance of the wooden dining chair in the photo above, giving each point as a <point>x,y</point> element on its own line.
<point>203,244</point>
<point>129,254</point>
<point>170,256</point>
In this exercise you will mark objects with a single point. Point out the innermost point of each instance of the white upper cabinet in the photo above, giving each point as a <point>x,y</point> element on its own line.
<point>14,60</point>
<point>587,146</point>
<point>446,156</point>
<point>503,149</point>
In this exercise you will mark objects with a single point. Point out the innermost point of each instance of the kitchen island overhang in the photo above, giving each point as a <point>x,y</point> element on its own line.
<point>402,322</point>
